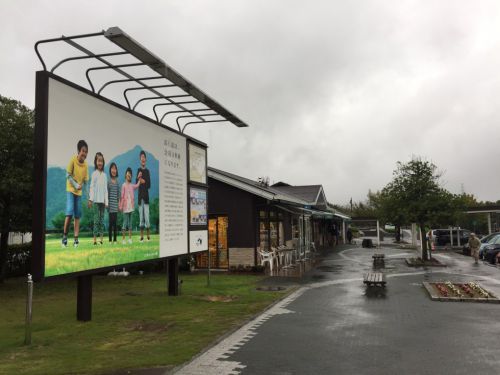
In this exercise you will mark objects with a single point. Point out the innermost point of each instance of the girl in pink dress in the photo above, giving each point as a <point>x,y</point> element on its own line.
<point>127,203</point>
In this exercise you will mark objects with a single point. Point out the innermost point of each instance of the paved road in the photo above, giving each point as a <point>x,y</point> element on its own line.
<point>332,325</point>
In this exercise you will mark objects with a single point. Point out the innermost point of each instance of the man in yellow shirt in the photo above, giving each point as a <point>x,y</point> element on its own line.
<point>77,176</point>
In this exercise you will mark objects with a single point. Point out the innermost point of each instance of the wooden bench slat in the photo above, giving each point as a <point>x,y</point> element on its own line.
<point>374,278</point>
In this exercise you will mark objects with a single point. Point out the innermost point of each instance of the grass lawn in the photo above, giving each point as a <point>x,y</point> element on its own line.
<point>134,323</point>
<point>59,260</point>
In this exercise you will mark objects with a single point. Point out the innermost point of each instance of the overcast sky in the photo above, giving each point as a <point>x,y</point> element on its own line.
<point>335,92</point>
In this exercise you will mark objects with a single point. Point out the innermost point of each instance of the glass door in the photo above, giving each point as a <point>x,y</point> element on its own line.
<point>217,244</point>
<point>222,250</point>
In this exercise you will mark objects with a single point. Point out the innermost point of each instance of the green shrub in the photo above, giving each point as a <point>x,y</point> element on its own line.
<point>19,259</point>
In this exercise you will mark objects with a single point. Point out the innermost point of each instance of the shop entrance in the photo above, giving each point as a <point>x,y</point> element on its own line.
<point>217,244</point>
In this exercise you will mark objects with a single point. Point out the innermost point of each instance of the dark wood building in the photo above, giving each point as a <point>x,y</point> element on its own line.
<point>245,215</point>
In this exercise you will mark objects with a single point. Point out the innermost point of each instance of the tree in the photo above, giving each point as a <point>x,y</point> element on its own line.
<point>388,211</point>
<point>365,208</point>
<point>415,195</point>
<point>16,172</point>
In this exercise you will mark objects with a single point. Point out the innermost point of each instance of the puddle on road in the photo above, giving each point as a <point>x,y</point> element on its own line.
<point>376,292</point>
<point>318,277</point>
<point>333,268</point>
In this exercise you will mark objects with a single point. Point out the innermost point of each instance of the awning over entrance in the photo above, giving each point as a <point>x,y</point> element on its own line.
<point>343,217</point>
<point>306,211</point>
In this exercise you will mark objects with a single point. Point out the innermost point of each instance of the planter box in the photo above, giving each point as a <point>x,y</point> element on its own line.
<point>437,295</point>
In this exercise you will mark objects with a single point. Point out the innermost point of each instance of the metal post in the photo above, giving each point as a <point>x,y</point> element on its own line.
<point>29,311</point>
<point>378,234</point>
<point>458,236</point>
<point>451,237</point>
<point>173,276</point>
<point>414,234</point>
<point>343,231</point>
<point>208,268</point>
<point>84,298</point>
<point>489,223</point>
<point>422,239</point>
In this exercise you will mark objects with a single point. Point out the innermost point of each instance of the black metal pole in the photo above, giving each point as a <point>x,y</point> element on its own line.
<point>173,276</point>
<point>84,299</point>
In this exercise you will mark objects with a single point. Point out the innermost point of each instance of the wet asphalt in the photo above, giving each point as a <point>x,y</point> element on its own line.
<point>339,326</point>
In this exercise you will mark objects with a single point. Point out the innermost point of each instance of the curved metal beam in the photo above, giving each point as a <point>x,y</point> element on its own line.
<point>127,80</point>
<point>63,38</point>
<point>159,97</point>
<point>200,122</point>
<point>87,57</point>
<point>178,103</point>
<point>191,110</point>
<point>187,116</point>
<point>114,67</point>
<point>143,88</point>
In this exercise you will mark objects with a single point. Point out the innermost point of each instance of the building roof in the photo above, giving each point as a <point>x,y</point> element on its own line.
<point>254,187</point>
<point>312,194</point>
<point>302,198</point>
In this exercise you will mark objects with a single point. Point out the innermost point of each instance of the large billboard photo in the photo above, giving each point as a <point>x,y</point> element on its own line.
<point>116,185</point>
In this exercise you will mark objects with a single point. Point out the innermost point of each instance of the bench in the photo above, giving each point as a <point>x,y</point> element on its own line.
<point>374,279</point>
<point>378,260</point>
<point>367,242</point>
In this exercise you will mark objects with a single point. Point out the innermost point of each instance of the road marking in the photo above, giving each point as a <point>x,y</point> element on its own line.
<point>214,360</point>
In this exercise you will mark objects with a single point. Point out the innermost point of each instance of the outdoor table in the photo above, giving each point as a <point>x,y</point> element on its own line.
<point>287,253</point>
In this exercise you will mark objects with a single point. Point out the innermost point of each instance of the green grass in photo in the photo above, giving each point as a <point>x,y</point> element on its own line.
<point>60,260</point>
<point>135,324</point>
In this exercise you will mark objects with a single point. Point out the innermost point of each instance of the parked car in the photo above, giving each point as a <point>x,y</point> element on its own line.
<point>491,250</point>
<point>441,237</point>
<point>489,244</point>
<point>484,241</point>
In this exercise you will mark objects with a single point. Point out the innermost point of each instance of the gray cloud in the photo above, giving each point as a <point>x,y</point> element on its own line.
<point>335,92</point>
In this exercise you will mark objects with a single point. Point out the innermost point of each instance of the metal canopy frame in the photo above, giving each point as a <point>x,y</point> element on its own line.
<point>203,105</point>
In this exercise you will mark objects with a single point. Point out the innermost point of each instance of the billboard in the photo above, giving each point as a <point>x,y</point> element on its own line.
<point>116,183</point>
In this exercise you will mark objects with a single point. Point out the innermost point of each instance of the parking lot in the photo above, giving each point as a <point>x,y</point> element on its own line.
<point>333,324</point>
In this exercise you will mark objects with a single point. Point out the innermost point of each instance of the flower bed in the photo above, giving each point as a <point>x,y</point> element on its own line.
<point>460,292</point>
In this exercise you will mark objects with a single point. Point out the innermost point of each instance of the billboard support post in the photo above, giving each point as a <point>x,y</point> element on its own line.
<point>173,276</point>
<point>84,298</point>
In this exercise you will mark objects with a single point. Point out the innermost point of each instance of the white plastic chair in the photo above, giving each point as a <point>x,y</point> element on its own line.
<point>266,257</point>
<point>277,256</point>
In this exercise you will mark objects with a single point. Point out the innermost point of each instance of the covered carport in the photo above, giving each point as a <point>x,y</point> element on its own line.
<point>487,210</point>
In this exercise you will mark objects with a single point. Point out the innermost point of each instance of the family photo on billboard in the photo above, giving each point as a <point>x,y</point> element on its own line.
<point>115,186</point>
<point>113,203</point>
